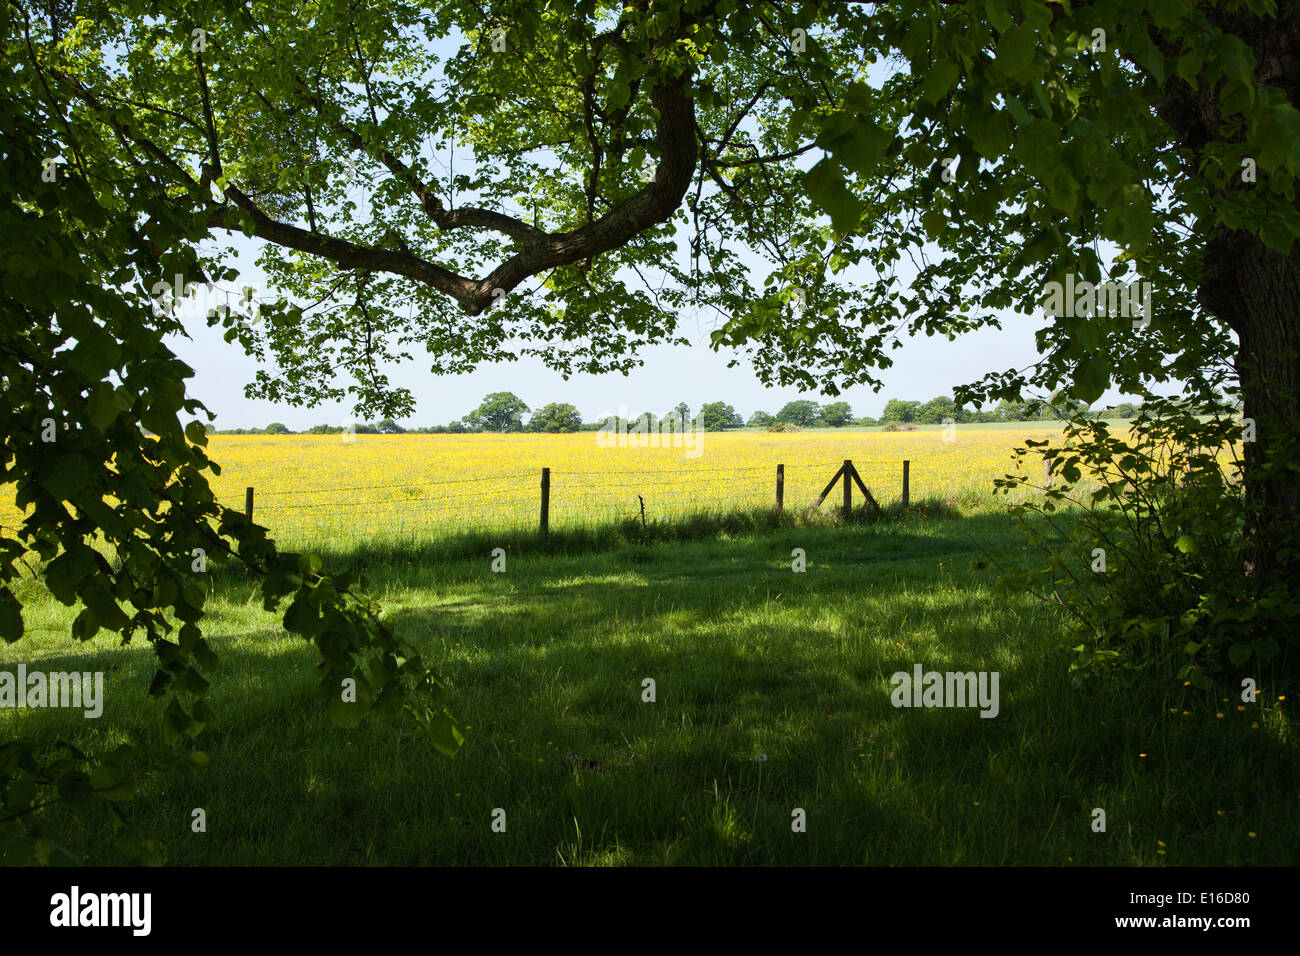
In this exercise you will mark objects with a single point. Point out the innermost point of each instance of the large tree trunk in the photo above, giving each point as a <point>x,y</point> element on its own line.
<point>1257,292</point>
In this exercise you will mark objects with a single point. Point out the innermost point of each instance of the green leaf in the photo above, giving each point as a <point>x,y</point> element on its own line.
<point>11,617</point>
<point>1063,191</point>
<point>175,722</point>
<point>302,618</point>
<point>998,14</point>
<point>102,407</point>
<point>620,93</point>
<point>1277,236</point>
<point>68,478</point>
<point>86,625</point>
<point>939,80</point>
<point>1015,50</point>
<point>826,188</point>
<point>935,223</point>
<point>161,681</point>
<point>1091,378</point>
<point>445,735</point>
<point>990,131</point>
<point>108,775</point>
<point>1131,222</point>
<point>1189,66</point>
<point>862,150</point>
<point>95,355</point>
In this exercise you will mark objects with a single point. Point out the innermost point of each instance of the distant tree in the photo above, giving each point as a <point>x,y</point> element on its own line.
<point>760,419</point>
<point>837,414</point>
<point>802,412</point>
<point>865,421</point>
<point>897,410</point>
<point>389,427</point>
<point>715,416</point>
<point>935,411</point>
<point>456,427</point>
<point>1009,411</point>
<point>277,428</point>
<point>499,412</point>
<point>677,420</point>
<point>556,417</point>
<point>1063,408</point>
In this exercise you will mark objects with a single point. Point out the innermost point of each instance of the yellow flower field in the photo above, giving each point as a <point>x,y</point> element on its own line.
<point>314,487</point>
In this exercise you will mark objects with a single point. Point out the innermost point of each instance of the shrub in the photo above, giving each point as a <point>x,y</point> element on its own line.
<point>1143,547</point>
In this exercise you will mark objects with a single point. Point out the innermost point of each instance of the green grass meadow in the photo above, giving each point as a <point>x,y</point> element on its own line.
<point>772,694</point>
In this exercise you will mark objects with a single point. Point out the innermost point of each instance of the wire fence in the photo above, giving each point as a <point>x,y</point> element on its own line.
<point>294,498</point>
<point>546,500</point>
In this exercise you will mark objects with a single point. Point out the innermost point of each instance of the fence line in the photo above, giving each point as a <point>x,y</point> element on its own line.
<point>621,492</point>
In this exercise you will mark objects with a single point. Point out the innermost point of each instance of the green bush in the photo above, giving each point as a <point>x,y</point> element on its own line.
<point>1143,544</point>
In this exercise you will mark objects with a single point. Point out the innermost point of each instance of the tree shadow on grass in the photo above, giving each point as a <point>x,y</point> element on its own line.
<point>772,695</point>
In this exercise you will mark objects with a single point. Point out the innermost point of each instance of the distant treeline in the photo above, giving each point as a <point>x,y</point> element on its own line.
<point>504,412</point>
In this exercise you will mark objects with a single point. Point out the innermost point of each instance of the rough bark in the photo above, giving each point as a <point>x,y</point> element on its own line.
<point>1256,290</point>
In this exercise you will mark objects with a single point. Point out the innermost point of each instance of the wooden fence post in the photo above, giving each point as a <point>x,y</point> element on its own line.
<point>546,501</point>
<point>780,490</point>
<point>830,486</point>
<point>907,489</point>
<point>248,503</point>
<point>1047,472</point>
<point>848,488</point>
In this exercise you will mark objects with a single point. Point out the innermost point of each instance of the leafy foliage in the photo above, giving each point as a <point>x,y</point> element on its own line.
<point>803,412</point>
<point>498,412</point>
<point>718,416</point>
<point>556,417</point>
<point>1141,540</point>
<point>103,450</point>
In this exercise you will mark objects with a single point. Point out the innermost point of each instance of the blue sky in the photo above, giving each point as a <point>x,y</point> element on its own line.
<point>923,368</point>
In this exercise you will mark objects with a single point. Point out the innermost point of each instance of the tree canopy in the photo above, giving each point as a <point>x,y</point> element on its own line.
<point>717,416</point>
<point>556,417</point>
<point>802,411</point>
<point>499,412</point>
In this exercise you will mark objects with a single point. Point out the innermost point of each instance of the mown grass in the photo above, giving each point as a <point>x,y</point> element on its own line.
<point>772,692</point>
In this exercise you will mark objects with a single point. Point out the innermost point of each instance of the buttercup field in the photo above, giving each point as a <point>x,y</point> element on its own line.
<point>374,487</point>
